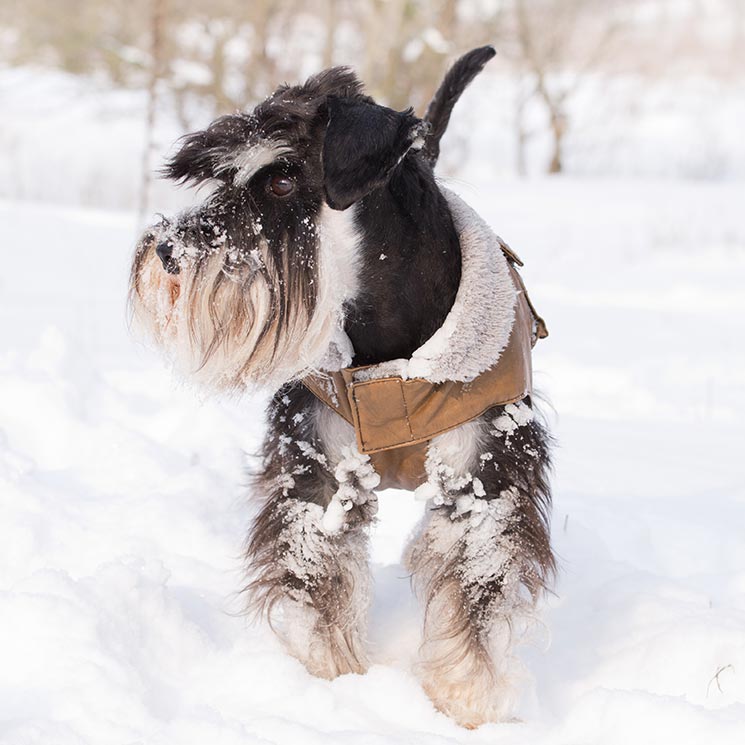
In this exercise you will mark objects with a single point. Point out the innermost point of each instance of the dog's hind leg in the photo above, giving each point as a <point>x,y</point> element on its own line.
<point>308,550</point>
<point>480,559</point>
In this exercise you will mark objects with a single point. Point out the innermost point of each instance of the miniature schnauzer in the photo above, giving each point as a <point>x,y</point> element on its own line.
<point>328,264</point>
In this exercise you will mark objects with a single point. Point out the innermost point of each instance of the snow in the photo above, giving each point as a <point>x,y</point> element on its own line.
<point>123,492</point>
<point>74,140</point>
<point>123,498</point>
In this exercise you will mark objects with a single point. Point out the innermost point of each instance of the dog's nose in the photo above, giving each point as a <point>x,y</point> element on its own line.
<point>165,254</point>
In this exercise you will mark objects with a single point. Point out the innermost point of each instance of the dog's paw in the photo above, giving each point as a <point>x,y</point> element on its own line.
<point>468,686</point>
<point>328,659</point>
<point>471,703</point>
<point>325,651</point>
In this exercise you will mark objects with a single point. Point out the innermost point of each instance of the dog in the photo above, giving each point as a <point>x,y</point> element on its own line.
<point>329,265</point>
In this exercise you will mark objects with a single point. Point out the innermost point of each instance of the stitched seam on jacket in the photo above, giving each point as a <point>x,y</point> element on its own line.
<point>406,409</point>
<point>357,423</point>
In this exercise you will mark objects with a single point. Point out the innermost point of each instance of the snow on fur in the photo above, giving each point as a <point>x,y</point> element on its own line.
<point>357,479</point>
<point>446,487</point>
<point>514,416</point>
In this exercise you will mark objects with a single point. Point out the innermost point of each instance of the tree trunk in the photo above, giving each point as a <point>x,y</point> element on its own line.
<point>157,15</point>
<point>521,133</point>
<point>558,130</point>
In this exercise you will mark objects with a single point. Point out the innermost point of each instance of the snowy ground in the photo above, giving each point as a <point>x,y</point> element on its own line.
<point>123,507</point>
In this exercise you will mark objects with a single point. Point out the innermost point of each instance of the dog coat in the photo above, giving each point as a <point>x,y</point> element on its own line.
<point>479,358</point>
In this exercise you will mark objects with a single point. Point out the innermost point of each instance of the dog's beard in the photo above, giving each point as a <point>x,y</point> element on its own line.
<point>234,317</point>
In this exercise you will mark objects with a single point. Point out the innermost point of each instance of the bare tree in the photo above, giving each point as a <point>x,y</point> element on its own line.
<point>523,93</point>
<point>557,42</point>
<point>157,19</point>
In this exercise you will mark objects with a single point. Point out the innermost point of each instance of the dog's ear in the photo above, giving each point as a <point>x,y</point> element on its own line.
<point>364,142</point>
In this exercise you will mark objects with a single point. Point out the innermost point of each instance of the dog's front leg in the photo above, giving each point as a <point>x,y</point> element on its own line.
<point>308,550</point>
<point>480,558</point>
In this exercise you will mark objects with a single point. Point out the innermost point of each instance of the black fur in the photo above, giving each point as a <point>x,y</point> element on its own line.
<point>458,78</point>
<point>411,270</point>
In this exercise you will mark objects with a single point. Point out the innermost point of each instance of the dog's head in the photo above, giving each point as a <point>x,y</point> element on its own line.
<point>251,285</point>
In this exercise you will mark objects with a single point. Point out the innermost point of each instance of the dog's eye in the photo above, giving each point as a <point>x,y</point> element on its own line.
<point>281,186</point>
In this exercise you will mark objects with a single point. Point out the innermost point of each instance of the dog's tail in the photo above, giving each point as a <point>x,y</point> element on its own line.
<point>457,79</point>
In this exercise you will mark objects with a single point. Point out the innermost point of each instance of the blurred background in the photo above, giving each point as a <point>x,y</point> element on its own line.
<point>612,88</point>
<point>604,143</point>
